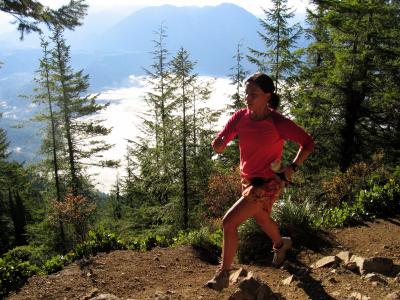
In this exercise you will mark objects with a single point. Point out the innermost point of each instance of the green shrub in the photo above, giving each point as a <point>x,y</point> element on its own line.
<point>99,240</point>
<point>344,215</point>
<point>206,245</point>
<point>19,254</point>
<point>149,241</point>
<point>14,274</point>
<point>381,200</point>
<point>56,263</point>
<point>377,201</point>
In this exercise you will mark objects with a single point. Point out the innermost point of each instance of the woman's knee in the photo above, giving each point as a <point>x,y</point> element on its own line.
<point>263,220</point>
<point>228,224</point>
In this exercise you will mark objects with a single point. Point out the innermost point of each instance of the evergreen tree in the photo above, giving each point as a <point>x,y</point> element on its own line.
<point>182,68</point>
<point>29,14</point>
<point>278,58</point>
<point>4,144</point>
<point>357,47</point>
<point>150,175</point>
<point>230,156</point>
<point>82,133</point>
<point>237,78</point>
<point>44,93</point>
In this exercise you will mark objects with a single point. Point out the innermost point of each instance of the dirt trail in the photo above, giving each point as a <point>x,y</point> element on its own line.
<point>176,273</point>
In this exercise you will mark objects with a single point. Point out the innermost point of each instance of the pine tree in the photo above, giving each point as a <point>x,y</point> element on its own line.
<point>4,144</point>
<point>182,68</point>
<point>237,78</point>
<point>82,133</point>
<point>278,58</point>
<point>354,78</point>
<point>231,154</point>
<point>44,93</point>
<point>29,14</point>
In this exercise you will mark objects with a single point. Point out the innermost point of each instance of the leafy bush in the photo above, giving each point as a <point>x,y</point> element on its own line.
<point>97,241</point>
<point>14,273</point>
<point>206,245</point>
<point>381,200</point>
<point>75,210</point>
<point>344,187</point>
<point>343,215</point>
<point>223,190</point>
<point>18,254</point>
<point>376,201</point>
<point>149,241</point>
<point>55,264</point>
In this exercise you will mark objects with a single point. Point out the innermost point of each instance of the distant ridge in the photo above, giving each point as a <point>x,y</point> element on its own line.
<point>209,33</point>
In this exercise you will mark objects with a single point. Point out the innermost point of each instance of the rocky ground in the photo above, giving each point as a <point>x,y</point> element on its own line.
<point>177,273</point>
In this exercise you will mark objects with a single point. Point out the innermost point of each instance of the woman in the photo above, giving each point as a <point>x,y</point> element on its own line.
<point>262,132</point>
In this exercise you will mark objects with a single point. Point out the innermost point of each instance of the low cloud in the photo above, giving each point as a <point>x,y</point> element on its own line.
<point>126,105</point>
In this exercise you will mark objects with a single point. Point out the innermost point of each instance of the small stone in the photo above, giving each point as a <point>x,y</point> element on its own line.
<point>344,256</point>
<point>288,280</point>
<point>234,277</point>
<point>163,266</point>
<point>372,277</point>
<point>105,297</point>
<point>372,264</point>
<point>326,261</point>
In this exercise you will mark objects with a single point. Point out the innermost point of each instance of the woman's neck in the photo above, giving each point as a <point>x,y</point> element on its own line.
<point>260,115</point>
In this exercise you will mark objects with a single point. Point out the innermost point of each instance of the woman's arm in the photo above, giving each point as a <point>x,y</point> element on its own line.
<point>228,133</point>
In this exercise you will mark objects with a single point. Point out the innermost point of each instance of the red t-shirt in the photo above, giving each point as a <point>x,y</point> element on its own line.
<point>261,142</point>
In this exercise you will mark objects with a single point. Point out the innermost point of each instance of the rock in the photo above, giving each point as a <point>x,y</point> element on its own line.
<point>373,277</point>
<point>105,297</point>
<point>251,288</point>
<point>344,256</point>
<point>288,280</point>
<point>358,296</point>
<point>393,296</point>
<point>250,283</point>
<point>234,277</point>
<point>373,264</point>
<point>326,261</point>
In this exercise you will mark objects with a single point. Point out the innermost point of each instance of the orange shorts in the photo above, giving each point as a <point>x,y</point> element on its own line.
<point>266,194</point>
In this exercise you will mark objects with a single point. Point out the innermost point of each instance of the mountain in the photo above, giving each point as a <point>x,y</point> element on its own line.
<point>210,34</point>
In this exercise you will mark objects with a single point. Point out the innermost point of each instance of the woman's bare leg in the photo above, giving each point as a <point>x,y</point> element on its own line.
<point>243,209</point>
<point>269,226</point>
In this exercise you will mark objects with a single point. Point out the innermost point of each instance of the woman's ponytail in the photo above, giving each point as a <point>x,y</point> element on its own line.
<point>274,101</point>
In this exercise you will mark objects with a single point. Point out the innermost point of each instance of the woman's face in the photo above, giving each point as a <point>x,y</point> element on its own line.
<point>256,99</point>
